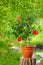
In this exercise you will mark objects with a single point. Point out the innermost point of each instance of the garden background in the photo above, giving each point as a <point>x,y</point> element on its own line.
<point>19,18</point>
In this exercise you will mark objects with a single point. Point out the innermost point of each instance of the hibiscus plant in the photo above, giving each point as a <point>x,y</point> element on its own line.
<point>24,29</point>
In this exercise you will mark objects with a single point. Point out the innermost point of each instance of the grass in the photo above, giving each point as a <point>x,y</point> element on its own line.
<point>7,56</point>
<point>11,58</point>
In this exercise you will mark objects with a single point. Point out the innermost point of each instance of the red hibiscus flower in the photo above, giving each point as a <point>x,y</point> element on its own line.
<point>19,39</point>
<point>18,18</point>
<point>35,32</point>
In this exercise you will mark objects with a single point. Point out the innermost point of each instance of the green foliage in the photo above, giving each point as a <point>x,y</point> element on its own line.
<point>37,39</point>
<point>10,9</point>
<point>23,29</point>
<point>3,44</point>
<point>10,58</point>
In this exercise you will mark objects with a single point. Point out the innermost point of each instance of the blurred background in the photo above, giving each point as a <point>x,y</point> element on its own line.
<point>19,19</point>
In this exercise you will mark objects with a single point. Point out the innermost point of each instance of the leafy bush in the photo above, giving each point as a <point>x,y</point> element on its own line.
<point>10,9</point>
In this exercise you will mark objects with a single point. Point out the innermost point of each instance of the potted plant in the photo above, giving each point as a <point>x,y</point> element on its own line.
<point>27,49</point>
<point>23,30</point>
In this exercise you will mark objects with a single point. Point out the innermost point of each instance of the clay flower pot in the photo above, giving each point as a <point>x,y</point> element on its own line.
<point>41,63</point>
<point>27,51</point>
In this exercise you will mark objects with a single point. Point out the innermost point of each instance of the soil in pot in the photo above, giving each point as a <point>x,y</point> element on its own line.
<point>27,51</point>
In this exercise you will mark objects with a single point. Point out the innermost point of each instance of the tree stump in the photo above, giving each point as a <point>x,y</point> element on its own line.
<point>27,61</point>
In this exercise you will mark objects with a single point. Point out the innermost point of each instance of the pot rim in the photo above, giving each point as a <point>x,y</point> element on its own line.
<point>28,46</point>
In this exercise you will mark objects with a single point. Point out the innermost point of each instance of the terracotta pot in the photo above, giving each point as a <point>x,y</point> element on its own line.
<point>27,51</point>
<point>41,63</point>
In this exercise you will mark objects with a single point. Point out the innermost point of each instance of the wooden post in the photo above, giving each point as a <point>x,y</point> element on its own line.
<point>27,61</point>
